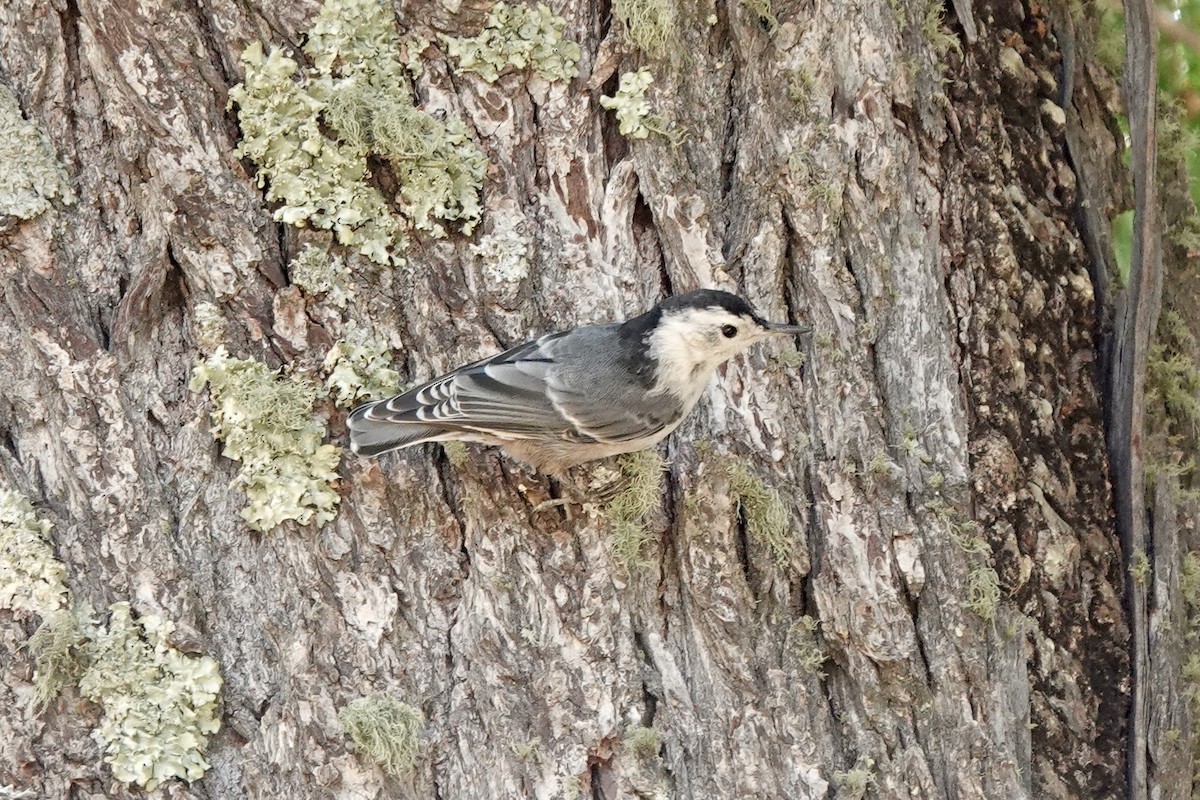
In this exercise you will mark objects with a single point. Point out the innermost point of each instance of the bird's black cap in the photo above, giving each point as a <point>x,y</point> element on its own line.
<point>713,298</point>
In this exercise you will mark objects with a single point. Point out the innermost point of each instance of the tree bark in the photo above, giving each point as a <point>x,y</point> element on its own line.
<point>932,199</point>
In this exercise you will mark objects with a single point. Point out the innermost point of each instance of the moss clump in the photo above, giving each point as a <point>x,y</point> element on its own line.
<point>517,36</point>
<point>32,580</point>
<point>160,706</point>
<point>385,730</point>
<point>649,24</point>
<point>30,175</point>
<point>642,742</point>
<point>767,519</point>
<point>321,273</point>
<point>361,89</point>
<point>266,423</point>
<point>629,507</point>
<point>359,367</point>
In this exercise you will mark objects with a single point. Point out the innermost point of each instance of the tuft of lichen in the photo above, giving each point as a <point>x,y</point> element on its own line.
<point>209,326</point>
<point>806,650</point>
<point>266,422</point>
<point>518,36</point>
<point>32,580</point>
<point>30,175</point>
<point>628,508</point>
<point>359,367</point>
<point>764,12</point>
<point>321,273</point>
<point>853,784</point>
<point>631,105</point>
<point>648,24</point>
<point>983,592</point>
<point>505,256</point>
<point>385,730</point>
<point>160,706</point>
<point>56,657</point>
<point>360,89</point>
<point>767,519</point>
<point>316,180</point>
<point>456,453</point>
<point>642,742</point>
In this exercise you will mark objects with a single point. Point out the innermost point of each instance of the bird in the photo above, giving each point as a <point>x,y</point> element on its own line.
<point>579,395</point>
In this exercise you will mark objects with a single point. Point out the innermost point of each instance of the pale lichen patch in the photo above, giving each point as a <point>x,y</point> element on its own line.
<point>359,367</point>
<point>630,104</point>
<point>518,36</point>
<point>266,422</point>
<point>160,706</point>
<point>360,89</point>
<point>321,273</point>
<point>628,508</point>
<point>30,175</point>
<point>32,580</point>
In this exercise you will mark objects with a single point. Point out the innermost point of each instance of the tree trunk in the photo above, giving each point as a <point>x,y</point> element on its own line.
<point>942,613</point>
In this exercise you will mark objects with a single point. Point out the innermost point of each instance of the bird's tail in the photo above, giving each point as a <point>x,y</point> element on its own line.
<point>374,434</point>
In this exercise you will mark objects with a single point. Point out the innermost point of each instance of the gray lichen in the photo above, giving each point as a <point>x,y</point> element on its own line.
<point>30,175</point>
<point>385,730</point>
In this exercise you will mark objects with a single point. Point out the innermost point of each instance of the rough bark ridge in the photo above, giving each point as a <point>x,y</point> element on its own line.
<point>948,399</point>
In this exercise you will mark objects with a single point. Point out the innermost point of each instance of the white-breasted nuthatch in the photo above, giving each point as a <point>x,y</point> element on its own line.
<point>578,395</point>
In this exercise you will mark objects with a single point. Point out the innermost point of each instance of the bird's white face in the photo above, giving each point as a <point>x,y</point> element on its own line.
<point>690,343</point>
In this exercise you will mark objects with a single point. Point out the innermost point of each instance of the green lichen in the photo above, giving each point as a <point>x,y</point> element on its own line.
<point>767,519</point>
<point>806,650</point>
<point>384,730</point>
<point>505,256</point>
<point>642,742</point>
<point>527,750</point>
<point>517,36</point>
<point>209,326</point>
<point>456,453</point>
<point>983,592</point>
<point>160,706</point>
<point>267,424</point>
<point>633,109</point>
<point>763,11</point>
<point>30,175</point>
<point>321,273</point>
<point>32,580</point>
<point>854,784</point>
<point>648,24</point>
<point>56,656</point>
<point>1139,568</point>
<point>359,87</point>
<point>359,367</point>
<point>316,180</point>
<point>933,25</point>
<point>629,507</point>
<point>983,583</point>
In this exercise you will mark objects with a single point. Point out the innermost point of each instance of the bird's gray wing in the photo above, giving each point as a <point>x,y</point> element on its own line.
<point>558,386</point>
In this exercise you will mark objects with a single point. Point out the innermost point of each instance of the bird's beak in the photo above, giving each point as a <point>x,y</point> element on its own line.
<point>780,329</point>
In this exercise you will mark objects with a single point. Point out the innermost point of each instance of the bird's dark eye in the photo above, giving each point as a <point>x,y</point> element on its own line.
<point>729,331</point>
